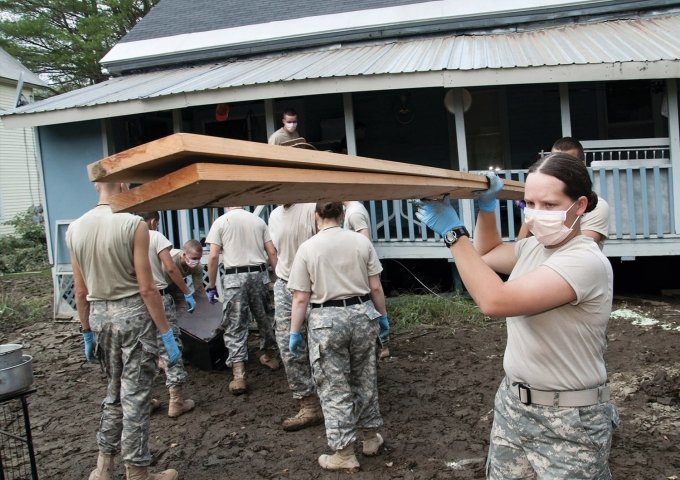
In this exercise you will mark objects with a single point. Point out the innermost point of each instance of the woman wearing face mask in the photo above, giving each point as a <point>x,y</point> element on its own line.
<point>552,416</point>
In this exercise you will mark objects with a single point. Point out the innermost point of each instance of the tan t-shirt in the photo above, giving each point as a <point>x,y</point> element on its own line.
<point>357,217</point>
<point>158,243</point>
<point>597,220</point>
<point>242,236</point>
<point>184,270</point>
<point>102,243</point>
<point>288,228</point>
<point>281,135</point>
<point>334,264</point>
<point>563,348</point>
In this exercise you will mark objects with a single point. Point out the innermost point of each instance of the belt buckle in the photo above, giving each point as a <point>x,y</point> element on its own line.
<point>524,389</point>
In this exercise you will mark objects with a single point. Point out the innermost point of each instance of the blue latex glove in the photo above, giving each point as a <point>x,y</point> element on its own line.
<point>171,347</point>
<point>439,215</point>
<point>212,294</point>
<point>487,199</point>
<point>89,344</point>
<point>189,297</point>
<point>384,323</point>
<point>296,342</point>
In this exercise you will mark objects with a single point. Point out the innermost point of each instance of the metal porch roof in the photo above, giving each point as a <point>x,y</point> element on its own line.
<point>629,48</point>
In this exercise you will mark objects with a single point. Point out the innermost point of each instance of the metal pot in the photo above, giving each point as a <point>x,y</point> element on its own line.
<point>17,377</point>
<point>10,354</point>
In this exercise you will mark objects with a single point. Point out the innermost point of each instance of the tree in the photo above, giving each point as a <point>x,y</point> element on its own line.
<point>65,39</point>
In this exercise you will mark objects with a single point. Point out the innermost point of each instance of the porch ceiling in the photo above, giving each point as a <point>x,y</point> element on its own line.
<point>646,47</point>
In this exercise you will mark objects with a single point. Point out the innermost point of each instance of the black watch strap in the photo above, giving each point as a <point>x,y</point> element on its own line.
<point>454,234</point>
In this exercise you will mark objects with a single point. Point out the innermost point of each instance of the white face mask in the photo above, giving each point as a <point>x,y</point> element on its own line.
<point>190,262</point>
<point>290,126</point>
<point>548,225</point>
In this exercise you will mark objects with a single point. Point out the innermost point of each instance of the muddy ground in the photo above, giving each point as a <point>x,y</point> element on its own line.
<point>436,396</point>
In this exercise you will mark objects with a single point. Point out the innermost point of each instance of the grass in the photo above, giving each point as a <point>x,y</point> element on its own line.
<point>41,273</point>
<point>452,310</point>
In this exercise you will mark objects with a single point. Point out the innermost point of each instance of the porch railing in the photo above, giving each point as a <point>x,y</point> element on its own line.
<point>629,149</point>
<point>640,196</point>
<point>634,176</point>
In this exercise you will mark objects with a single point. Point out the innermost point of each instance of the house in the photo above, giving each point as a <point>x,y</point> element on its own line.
<point>448,83</point>
<point>19,167</point>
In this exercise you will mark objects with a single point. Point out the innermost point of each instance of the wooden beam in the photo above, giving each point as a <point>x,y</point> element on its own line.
<point>219,185</point>
<point>157,158</point>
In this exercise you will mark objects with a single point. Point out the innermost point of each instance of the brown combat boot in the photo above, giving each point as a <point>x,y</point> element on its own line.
<point>237,386</point>
<point>178,405</point>
<point>372,442</point>
<point>342,459</point>
<point>310,414</point>
<point>134,472</point>
<point>104,468</point>
<point>269,360</point>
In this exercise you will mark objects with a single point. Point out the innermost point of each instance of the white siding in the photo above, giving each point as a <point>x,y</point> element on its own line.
<point>19,175</point>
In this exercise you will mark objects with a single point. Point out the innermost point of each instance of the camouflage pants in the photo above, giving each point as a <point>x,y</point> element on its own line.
<point>177,374</point>
<point>127,350</point>
<point>535,441</point>
<point>298,371</point>
<point>342,353</point>
<point>249,297</point>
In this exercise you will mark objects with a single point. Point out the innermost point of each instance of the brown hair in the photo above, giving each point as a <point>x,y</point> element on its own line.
<point>193,246</point>
<point>150,216</point>
<point>329,209</point>
<point>566,144</point>
<point>572,172</point>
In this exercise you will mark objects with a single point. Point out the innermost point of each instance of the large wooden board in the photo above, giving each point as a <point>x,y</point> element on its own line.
<point>220,185</point>
<point>155,159</point>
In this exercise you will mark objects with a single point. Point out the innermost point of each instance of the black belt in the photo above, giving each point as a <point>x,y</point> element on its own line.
<point>345,302</point>
<point>246,269</point>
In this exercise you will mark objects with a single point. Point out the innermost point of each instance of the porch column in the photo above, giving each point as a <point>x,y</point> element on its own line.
<point>269,116</point>
<point>349,123</point>
<point>565,112</point>
<point>468,209</point>
<point>184,224</point>
<point>674,140</point>
<point>107,137</point>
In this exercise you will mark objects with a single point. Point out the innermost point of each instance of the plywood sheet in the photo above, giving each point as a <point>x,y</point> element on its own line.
<point>156,159</point>
<point>220,185</point>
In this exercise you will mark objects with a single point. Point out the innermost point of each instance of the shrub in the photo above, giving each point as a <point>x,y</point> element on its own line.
<point>26,249</point>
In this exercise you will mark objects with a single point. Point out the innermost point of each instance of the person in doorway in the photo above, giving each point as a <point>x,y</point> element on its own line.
<point>288,130</point>
<point>594,224</point>
<point>243,240</point>
<point>358,220</point>
<point>553,418</point>
<point>338,272</point>
<point>162,266</point>
<point>120,313</point>
<point>289,226</point>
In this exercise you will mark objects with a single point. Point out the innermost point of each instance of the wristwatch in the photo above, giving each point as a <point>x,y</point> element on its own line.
<point>454,234</point>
